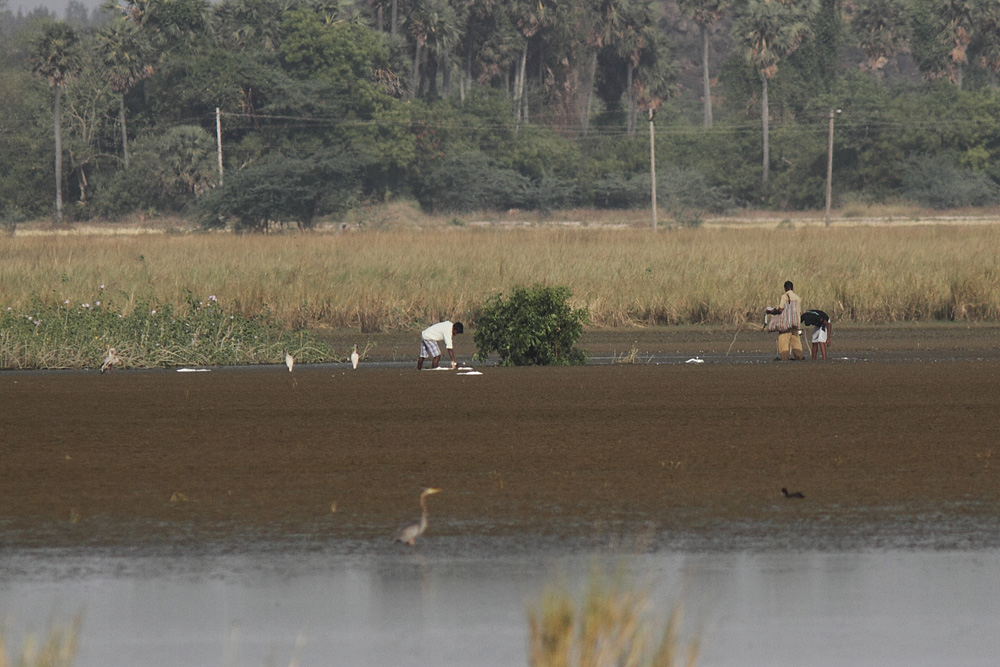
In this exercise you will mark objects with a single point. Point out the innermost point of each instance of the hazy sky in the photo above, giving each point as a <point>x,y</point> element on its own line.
<point>58,7</point>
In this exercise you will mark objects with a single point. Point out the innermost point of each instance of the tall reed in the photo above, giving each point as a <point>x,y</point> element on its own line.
<point>378,280</point>
<point>57,648</point>
<point>612,625</point>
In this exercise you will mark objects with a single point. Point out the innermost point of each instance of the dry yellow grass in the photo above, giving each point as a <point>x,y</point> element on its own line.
<point>56,649</point>
<point>614,624</point>
<point>626,276</point>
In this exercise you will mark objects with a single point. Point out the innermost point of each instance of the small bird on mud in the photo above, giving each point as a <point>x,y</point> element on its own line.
<point>110,360</point>
<point>355,358</point>
<point>409,534</point>
<point>785,493</point>
<point>289,361</point>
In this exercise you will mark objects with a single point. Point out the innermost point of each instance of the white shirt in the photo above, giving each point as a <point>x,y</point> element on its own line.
<point>439,332</point>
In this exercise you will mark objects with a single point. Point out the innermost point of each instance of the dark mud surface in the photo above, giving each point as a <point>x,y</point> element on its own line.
<point>895,442</point>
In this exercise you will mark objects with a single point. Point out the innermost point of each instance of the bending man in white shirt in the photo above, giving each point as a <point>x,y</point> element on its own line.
<point>434,334</point>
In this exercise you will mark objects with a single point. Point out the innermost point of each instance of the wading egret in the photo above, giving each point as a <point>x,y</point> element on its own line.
<point>409,534</point>
<point>110,360</point>
<point>289,361</point>
<point>355,358</point>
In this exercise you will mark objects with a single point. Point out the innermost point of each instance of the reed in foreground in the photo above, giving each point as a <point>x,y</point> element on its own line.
<point>613,625</point>
<point>57,649</point>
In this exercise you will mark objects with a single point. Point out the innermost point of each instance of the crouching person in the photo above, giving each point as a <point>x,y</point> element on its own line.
<point>434,334</point>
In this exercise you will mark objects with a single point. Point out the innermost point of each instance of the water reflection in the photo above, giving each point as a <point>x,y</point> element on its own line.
<point>892,607</point>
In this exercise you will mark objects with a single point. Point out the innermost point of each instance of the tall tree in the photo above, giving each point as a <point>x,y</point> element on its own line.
<point>768,31</point>
<point>436,29</point>
<point>56,56</point>
<point>530,16</point>
<point>988,33</point>
<point>86,107</point>
<point>126,55</point>
<point>490,42</point>
<point>958,27</point>
<point>943,31</point>
<point>881,28</point>
<point>705,13</point>
<point>248,24</point>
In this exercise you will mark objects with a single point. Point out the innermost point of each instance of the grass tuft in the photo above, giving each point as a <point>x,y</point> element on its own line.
<point>613,625</point>
<point>57,649</point>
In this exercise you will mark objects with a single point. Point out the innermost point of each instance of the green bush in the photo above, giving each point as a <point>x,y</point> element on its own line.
<point>534,327</point>
<point>71,335</point>
<point>282,190</point>
<point>165,173</point>
<point>470,182</point>
<point>939,183</point>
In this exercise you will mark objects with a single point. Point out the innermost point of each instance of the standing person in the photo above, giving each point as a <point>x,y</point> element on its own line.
<point>822,331</point>
<point>786,323</point>
<point>434,334</point>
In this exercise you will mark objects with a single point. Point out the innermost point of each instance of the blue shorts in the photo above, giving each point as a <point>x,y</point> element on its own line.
<point>429,349</point>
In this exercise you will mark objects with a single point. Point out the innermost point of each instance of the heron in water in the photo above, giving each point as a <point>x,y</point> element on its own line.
<point>289,361</point>
<point>355,358</point>
<point>110,360</point>
<point>409,534</point>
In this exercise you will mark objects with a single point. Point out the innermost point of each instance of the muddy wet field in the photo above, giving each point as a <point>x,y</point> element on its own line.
<point>893,441</point>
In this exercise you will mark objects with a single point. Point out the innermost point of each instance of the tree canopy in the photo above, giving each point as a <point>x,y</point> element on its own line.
<point>479,104</point>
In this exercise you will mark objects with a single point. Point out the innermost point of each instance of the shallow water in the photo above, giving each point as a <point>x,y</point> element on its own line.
<point>280,556</point>
<point>399,607</point>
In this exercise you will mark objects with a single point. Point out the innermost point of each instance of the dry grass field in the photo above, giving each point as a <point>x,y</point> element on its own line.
<point>384,277</point>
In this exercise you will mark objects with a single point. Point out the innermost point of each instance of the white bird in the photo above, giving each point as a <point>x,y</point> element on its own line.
<point>289,361</point>
<point>110,360</point>
<point>355,358</point>
<point>409,534</point>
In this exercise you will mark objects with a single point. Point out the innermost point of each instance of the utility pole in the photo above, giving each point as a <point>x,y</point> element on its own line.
<point>218,139</point>
<point>829,169</point>
<point>652,164</point>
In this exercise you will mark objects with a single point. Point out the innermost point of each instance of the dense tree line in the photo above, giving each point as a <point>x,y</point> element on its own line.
<point>251,112</point>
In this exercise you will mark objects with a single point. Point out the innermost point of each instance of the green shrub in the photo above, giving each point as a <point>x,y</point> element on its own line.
<point>78,335</point>
<point>470,182</point>
<point>939,183</point>
<point>620,191</point>
<point>165,173</point>
<point>282,190</point>
<point>535,326</point>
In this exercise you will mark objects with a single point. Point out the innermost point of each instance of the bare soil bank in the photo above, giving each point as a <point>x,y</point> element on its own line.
<point>673,451</point>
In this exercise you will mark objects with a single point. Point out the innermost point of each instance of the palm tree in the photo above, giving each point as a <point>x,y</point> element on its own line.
<point>248,24</point>
<point>125,56</point>
<point>705,13</point>
<point>882,29</point>
<point>769,30</point>
<point>530,16</point>
<point>610,27</point>
<point>434,25</point>
<point>957,19</point>
<point>56,55</point>
<point>489,41</point>
<point>988,42</point>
